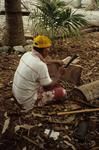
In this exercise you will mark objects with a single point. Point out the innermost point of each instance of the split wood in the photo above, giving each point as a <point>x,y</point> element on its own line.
<point>75,112</point>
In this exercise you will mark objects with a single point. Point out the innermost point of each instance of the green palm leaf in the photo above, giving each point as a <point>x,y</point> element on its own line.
<point>54,18</point>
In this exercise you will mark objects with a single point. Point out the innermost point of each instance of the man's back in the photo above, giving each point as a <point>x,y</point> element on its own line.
<point>30,73</point>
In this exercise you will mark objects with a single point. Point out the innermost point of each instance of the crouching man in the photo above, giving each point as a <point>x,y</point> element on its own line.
<point>32,74</point>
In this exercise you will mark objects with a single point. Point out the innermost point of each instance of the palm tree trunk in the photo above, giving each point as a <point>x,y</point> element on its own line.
<point>14,34</point>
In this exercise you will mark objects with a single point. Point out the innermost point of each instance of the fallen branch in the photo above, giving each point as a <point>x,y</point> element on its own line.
<point>75,112</point>
<point>59,122</point>
<point>32,142</point>
<point>70,145</point>
<point>29,140</point>
<point>95,148</point>
<point>89,30</point>
<point>85,103</point>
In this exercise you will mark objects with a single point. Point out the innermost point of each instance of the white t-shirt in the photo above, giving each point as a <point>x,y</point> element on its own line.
<point>31,73</point>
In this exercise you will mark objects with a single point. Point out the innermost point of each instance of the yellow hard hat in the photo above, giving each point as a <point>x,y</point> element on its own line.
<point>42,41</point>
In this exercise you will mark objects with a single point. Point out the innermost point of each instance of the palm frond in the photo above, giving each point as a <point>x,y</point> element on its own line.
<point>53,17</point>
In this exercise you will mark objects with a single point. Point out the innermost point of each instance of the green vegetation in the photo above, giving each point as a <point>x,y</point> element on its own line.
<point>97,1</point>
<point>54,18</point>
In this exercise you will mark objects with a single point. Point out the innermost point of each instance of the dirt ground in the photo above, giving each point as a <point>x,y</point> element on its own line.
<point>32,137</point>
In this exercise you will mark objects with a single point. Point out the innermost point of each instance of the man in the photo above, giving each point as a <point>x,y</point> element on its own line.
<point>32,74</point>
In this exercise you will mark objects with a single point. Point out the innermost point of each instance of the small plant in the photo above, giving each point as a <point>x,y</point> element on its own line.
<point>97,1</point>
<point>54,18</point>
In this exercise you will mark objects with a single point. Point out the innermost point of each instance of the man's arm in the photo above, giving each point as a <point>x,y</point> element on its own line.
<point>49,60</point>
<point>55,82</point>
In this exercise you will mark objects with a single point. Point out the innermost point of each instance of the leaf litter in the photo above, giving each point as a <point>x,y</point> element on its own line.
<point>27,132</point>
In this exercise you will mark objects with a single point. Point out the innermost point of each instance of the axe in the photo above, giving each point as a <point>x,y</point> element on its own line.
<point>71,60</point>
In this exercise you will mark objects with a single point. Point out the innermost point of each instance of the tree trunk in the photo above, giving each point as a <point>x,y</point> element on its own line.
<point>14,34</point>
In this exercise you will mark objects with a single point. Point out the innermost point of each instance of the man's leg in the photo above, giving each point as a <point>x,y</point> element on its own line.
<point>57,94</point>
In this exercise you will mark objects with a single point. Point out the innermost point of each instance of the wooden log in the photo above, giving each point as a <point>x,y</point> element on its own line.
<point>90,91</point>
<point>89,30</point>
<point>72,73</point>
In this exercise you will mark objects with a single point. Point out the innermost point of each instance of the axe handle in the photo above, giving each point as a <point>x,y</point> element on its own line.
<point>71,60</point>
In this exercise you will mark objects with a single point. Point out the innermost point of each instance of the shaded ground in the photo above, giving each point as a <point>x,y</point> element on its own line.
<point>33,137</point>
